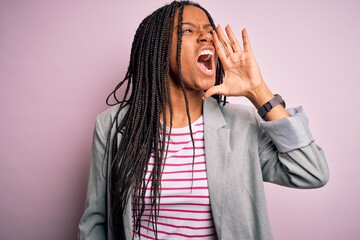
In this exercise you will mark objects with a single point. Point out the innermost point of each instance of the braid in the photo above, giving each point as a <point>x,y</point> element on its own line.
<point>141,132</point>
<point>178,61</point>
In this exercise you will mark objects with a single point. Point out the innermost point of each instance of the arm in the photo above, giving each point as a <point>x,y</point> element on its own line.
<point>93,222</point>
<point>288,154</point>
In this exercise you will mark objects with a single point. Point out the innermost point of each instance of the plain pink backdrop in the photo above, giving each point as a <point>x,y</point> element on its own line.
<point>60,59</point>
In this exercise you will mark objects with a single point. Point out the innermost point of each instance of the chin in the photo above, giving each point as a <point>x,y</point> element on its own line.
<point>206,84</point>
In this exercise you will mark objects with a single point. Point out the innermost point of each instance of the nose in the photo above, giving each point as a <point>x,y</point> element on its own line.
<point>205,36</point>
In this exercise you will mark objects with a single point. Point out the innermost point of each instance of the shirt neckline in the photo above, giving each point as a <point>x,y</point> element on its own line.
<point>186,128</point>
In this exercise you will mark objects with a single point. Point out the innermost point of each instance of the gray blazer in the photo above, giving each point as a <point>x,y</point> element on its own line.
<point>241,152</point>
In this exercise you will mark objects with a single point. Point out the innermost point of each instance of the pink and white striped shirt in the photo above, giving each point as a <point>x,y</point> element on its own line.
<point>185,211</point>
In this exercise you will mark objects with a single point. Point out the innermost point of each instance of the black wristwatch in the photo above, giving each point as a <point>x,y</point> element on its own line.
<point>276,100</point>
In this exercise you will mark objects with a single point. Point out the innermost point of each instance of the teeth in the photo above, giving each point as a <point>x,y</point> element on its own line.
<point>206,52</point>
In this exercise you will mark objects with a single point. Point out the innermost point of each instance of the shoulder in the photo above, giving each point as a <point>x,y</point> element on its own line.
<point>233,113</point>
<point>241,119</point>
<point>112,112</point>
<point>238,111</point>
<point>105,119</point>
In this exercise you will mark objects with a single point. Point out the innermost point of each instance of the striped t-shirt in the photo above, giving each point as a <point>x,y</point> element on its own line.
<point>185,211</point>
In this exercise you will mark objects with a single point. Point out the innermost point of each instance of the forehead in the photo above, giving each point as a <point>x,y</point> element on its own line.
<point>194,15</point>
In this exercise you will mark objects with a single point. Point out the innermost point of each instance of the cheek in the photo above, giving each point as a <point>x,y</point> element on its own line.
<point>186,63</point>
<point>188,59</point>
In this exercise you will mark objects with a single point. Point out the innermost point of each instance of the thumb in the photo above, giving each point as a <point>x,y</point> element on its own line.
<point>219,89</point>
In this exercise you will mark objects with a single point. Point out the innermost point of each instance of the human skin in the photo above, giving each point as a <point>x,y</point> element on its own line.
<point>242,74</point>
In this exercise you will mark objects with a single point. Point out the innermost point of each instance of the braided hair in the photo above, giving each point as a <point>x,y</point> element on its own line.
<point>141,131</point>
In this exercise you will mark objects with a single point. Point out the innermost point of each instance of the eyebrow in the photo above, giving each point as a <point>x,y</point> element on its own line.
<point>195,26</point>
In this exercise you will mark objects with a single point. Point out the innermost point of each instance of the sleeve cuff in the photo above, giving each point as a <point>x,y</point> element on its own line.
<point>289,133</point>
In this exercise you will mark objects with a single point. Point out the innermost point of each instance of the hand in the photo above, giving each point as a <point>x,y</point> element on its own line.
<point>242,74</point>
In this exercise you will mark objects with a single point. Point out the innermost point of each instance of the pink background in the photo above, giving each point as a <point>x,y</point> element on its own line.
<point>60,59</point>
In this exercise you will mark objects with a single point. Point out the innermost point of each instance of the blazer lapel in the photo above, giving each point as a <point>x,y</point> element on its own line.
<point>216,137</point>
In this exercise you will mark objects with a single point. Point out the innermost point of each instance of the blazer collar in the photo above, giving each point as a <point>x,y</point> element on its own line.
<point>213,116</point>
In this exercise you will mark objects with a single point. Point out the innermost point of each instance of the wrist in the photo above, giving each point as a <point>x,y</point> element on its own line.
<point>260,95</point>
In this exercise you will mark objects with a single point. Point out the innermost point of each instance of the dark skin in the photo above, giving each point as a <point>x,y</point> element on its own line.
<point>242,74</point>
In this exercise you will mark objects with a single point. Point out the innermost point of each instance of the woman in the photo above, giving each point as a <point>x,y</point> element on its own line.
<point>172,160</point>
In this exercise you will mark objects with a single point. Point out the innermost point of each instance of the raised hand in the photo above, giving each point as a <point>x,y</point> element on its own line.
<point>242,74</point>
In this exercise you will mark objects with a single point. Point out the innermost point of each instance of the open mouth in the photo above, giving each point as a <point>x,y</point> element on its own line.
<point>205,61</point>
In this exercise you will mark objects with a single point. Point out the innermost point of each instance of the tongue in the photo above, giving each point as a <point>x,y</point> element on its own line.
<point>206,61</point>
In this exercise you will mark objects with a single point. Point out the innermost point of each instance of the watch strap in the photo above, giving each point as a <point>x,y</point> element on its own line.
<point>276,100</point>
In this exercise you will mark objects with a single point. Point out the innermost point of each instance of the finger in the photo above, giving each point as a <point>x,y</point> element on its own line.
<point>246,41</point>
<point>219,47</point>
<point>219,89</point>
<point>233,41</point>
<point>224,41</point>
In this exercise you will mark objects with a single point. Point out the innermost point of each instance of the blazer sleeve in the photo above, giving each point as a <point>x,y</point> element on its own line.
<point>288,153</point>
<point>93,223</point>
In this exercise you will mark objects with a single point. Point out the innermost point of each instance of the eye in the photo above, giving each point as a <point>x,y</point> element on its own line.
<point>187,31</point>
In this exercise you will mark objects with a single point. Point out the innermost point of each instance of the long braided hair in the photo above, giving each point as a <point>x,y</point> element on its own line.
<point>142,131</point>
